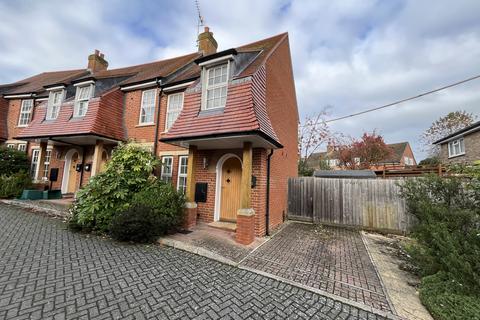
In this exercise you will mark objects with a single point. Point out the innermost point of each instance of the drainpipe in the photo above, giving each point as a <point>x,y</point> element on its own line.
<point>157,125</point>
<point>267,211</point>
<point>83,164</point>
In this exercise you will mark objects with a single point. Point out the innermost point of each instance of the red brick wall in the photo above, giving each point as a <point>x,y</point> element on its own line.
<point>3,119</point>
<point>145,134</point>
<point>283,113</point>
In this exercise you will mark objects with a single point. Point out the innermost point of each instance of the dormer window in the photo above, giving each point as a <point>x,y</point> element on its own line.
<point>55,99</point>
<point>174,107</point>
<point>82,97</point>
<point>25,113</point>
<point>216,82</point>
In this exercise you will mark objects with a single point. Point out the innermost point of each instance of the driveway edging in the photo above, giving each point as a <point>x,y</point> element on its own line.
<point>384,288</point>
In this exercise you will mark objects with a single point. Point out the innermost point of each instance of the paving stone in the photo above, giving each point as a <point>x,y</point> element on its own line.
<point>332,259</point>
<point>49,272</point>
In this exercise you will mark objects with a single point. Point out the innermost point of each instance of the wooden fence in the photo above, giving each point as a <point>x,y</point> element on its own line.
<point>366,203</point>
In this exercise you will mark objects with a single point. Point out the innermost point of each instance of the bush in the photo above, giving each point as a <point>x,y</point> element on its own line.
<point>13,185</point>
<point>111,191</point>
<point>166,203</point>
<point>445,299</point>
<point>138,224</point>
<point>13,161</point>
<point>447,250</point>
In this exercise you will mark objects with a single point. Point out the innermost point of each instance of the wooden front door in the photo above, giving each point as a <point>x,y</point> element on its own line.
<point>72,174</point>
<point>231,182</point>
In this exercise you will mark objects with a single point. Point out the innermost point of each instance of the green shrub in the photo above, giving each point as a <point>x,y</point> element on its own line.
<point>138,224</point>
<point>166,202</point>
<point>13,185</point>
<point>13,161</point>
<point>445,300</point>
<point>111,191</point>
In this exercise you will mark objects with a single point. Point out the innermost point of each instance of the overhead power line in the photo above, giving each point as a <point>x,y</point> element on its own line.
<point>403,100</point>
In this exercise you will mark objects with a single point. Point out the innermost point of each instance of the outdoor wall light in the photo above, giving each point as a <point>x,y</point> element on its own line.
<point>205,162</point>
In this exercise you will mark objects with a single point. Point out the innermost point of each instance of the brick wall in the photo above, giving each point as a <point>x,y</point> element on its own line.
<point>283,113</point>
<point>142,133</point>
<point>472,150</point>
<point>3,119</point>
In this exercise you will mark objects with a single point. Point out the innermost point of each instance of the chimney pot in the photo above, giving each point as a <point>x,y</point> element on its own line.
<point>206,42</point>
<point>97,52</point>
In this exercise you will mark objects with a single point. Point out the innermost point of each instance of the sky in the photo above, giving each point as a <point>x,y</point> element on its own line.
<point>348,55</point>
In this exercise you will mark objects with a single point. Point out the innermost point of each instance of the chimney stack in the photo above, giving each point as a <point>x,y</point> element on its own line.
<point>97,62</point>
<point>207,43</point>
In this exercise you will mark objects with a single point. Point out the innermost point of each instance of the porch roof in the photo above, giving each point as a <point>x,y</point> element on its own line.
<point>226,140</point>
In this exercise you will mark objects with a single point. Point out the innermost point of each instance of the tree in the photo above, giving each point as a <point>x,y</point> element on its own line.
<point>13,161</point>
<point>430,161</point>
<point>444,126</point>
<point>364,153</point>
<point>312,134</point>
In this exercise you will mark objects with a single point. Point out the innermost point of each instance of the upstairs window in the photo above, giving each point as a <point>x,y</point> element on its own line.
<point>174,107</point>
<point>216,81</point>
<point>82,96</point>
<point>147,109</point>
<point>55,99</point>
<point>456,148</point>
<point>25,113</point>
<point>167,165</point>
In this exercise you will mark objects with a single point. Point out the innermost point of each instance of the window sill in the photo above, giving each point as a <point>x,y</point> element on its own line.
<point>150,124</point>
<point>211,112</point>
<point>22,125</point>
<point>456,156</point>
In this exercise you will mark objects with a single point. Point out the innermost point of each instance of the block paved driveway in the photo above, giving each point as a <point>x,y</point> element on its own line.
<point>332,259</point>
<point>48,272</point>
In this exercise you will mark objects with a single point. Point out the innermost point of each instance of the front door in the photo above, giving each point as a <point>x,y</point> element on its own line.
<point>231,182</point>
<point>72,174</point>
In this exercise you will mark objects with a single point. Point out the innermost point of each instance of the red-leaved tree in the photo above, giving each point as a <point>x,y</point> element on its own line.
<point>363,153</point>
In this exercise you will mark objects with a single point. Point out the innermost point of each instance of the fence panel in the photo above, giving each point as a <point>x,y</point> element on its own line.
<point>369,203</point>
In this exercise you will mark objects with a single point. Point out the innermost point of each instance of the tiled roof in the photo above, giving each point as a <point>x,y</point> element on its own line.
<point>398,150</point>
<point>473,127</point>
<point>36,83</point>
<point>245,109</point>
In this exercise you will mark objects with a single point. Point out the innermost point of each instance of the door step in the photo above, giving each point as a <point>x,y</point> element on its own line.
<point>222,225</point>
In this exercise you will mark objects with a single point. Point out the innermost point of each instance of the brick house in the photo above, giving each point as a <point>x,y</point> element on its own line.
<point>462,146</point>
<point>402,156</point>
<point>224,125</point>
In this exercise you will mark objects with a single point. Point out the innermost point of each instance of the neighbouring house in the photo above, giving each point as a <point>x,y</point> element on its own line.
<point>462,146</point>
<point>402,156</point>
<point>224,125</point>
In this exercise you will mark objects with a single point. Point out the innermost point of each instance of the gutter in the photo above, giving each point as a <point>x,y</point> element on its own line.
<point>267,209</point>
<point>157,124</point>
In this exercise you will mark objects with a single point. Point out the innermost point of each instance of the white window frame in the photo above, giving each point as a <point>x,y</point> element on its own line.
<point>167,176</point>
<point>11,146</point>
<point>176,113</point>
<point>53,108</point>
<point>182,175</point>
<point>78,100</point>
<point>206,87</point>
<point>22,147</point>
<point>453,144</point>
<point>25,114</point>
<point>34,163</point>
<point>142,107</point>
<point>46,164</point>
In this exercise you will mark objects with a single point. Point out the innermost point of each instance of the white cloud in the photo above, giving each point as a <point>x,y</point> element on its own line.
<point>349,54</point>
